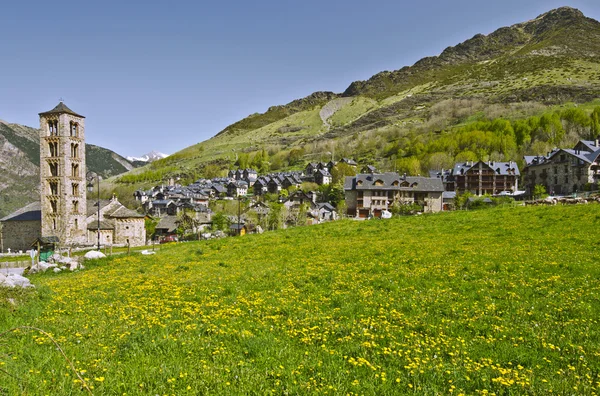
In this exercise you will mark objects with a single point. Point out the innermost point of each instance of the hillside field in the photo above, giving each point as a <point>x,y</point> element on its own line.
<point>500,301</point>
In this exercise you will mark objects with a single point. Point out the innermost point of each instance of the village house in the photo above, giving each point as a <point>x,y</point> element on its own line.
<point>261,186</point>
<point>118,225</point>
<point>370,194</point>
<point>237,188</point>
<point>565,171</point>
<point>322,177</point>
<point>482,177</point>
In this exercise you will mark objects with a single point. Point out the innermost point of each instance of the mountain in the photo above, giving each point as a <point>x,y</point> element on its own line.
<point>520,71</point>
<point>20,161</point>
<point>150,157</point>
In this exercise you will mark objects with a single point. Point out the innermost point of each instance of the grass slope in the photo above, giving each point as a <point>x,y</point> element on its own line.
<point>502,301</point>
<point>552,59</point>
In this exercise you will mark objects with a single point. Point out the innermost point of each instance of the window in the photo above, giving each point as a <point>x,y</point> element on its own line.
<point>74,129</point>
<point>53,148</point>
<point>74,150</point>
<point>53,169</point>
<point>54,224</point>
<point>75,189</point>
<point>53,206</point>
<point>76,207</point>
<point>74,170</point>
<point>76,223</point>
<point>53,188</point>
<point>53,127</point>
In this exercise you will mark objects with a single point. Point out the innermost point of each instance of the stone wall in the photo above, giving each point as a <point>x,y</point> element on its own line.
<point>559,177</point>
<point>19,235</point>
<point>132,230</point>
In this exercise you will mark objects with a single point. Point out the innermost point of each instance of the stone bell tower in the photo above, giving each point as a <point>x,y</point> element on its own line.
<point>62,173</point>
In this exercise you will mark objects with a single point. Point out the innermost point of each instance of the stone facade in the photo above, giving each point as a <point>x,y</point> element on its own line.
<point>370,194</point>
<point>62,176</point>
<point>118,225</point>
<point>482,177</point>
<point>565,171</point>
<point>21,228</point>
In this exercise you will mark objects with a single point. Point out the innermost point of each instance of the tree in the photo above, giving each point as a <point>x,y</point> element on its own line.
<point>409,165</point>
<point>302,212</point>
<point>275,219</point>
<point>440,161</point>
<point>220,222</point>
<point>150,225</point>
<point>340,171</point>
<point>309,186</point>
<point>539,191</point>
<point>295,156</point>
<point>211,171</point>
<point>595,123</point>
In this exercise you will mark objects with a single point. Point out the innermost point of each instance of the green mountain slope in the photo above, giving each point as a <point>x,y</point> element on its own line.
<point>519,71</point>
<point>20,160</point>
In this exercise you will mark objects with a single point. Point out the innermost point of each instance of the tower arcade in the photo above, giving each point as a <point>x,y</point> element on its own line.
<point>62,173</point>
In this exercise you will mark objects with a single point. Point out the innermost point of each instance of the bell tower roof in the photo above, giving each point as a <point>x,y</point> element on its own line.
<point>61,108</point>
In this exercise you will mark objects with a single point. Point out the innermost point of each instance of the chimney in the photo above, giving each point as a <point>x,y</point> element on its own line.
<point>596,142</point>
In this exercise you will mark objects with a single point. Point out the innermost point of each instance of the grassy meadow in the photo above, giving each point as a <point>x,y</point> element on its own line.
<point>501,301</point>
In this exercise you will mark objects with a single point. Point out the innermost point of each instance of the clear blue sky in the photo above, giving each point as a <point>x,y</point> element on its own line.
<point>163,75</point>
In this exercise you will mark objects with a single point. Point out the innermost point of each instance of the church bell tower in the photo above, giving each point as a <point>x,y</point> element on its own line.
<point>62,173</point>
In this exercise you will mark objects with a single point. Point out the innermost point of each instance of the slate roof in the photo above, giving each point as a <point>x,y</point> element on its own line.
<point>61,108</point>
<point>31,212</point>
<point>585,156</point>
<point>123,212</point>
<point>104,225</point>
<point>590,144</point>
<point>92,206</point>
<point>368,182</point>
<point>168,223</point>
<point>326,206</point>
<point>501,168</point>
<point>50,240</point>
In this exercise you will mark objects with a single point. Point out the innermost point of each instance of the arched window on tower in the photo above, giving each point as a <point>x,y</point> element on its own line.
<point>53,188</point>
<point>74,150</point>
<point>53,127</point>
<point>74,129</point>
<point>53,169</point>
<point>53,147</point>
<point>74,170</point>
<point>54,206</point>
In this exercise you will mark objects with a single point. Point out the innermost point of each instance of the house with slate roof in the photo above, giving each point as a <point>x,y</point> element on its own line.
<point>322,176</point>
<point>369,194</point>
<point>565,171</point>
<point>482,177</point>
<point>20,228</point>
<point>118,225</point>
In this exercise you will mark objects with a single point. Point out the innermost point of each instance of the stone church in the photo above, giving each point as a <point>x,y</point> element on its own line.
<point>64,214</point>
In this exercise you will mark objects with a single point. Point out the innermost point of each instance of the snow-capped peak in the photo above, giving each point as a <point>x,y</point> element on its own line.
<point>150,157</point>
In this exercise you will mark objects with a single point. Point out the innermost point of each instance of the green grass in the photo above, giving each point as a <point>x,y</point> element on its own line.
<point>350,112</point>
<point>504,301</point>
